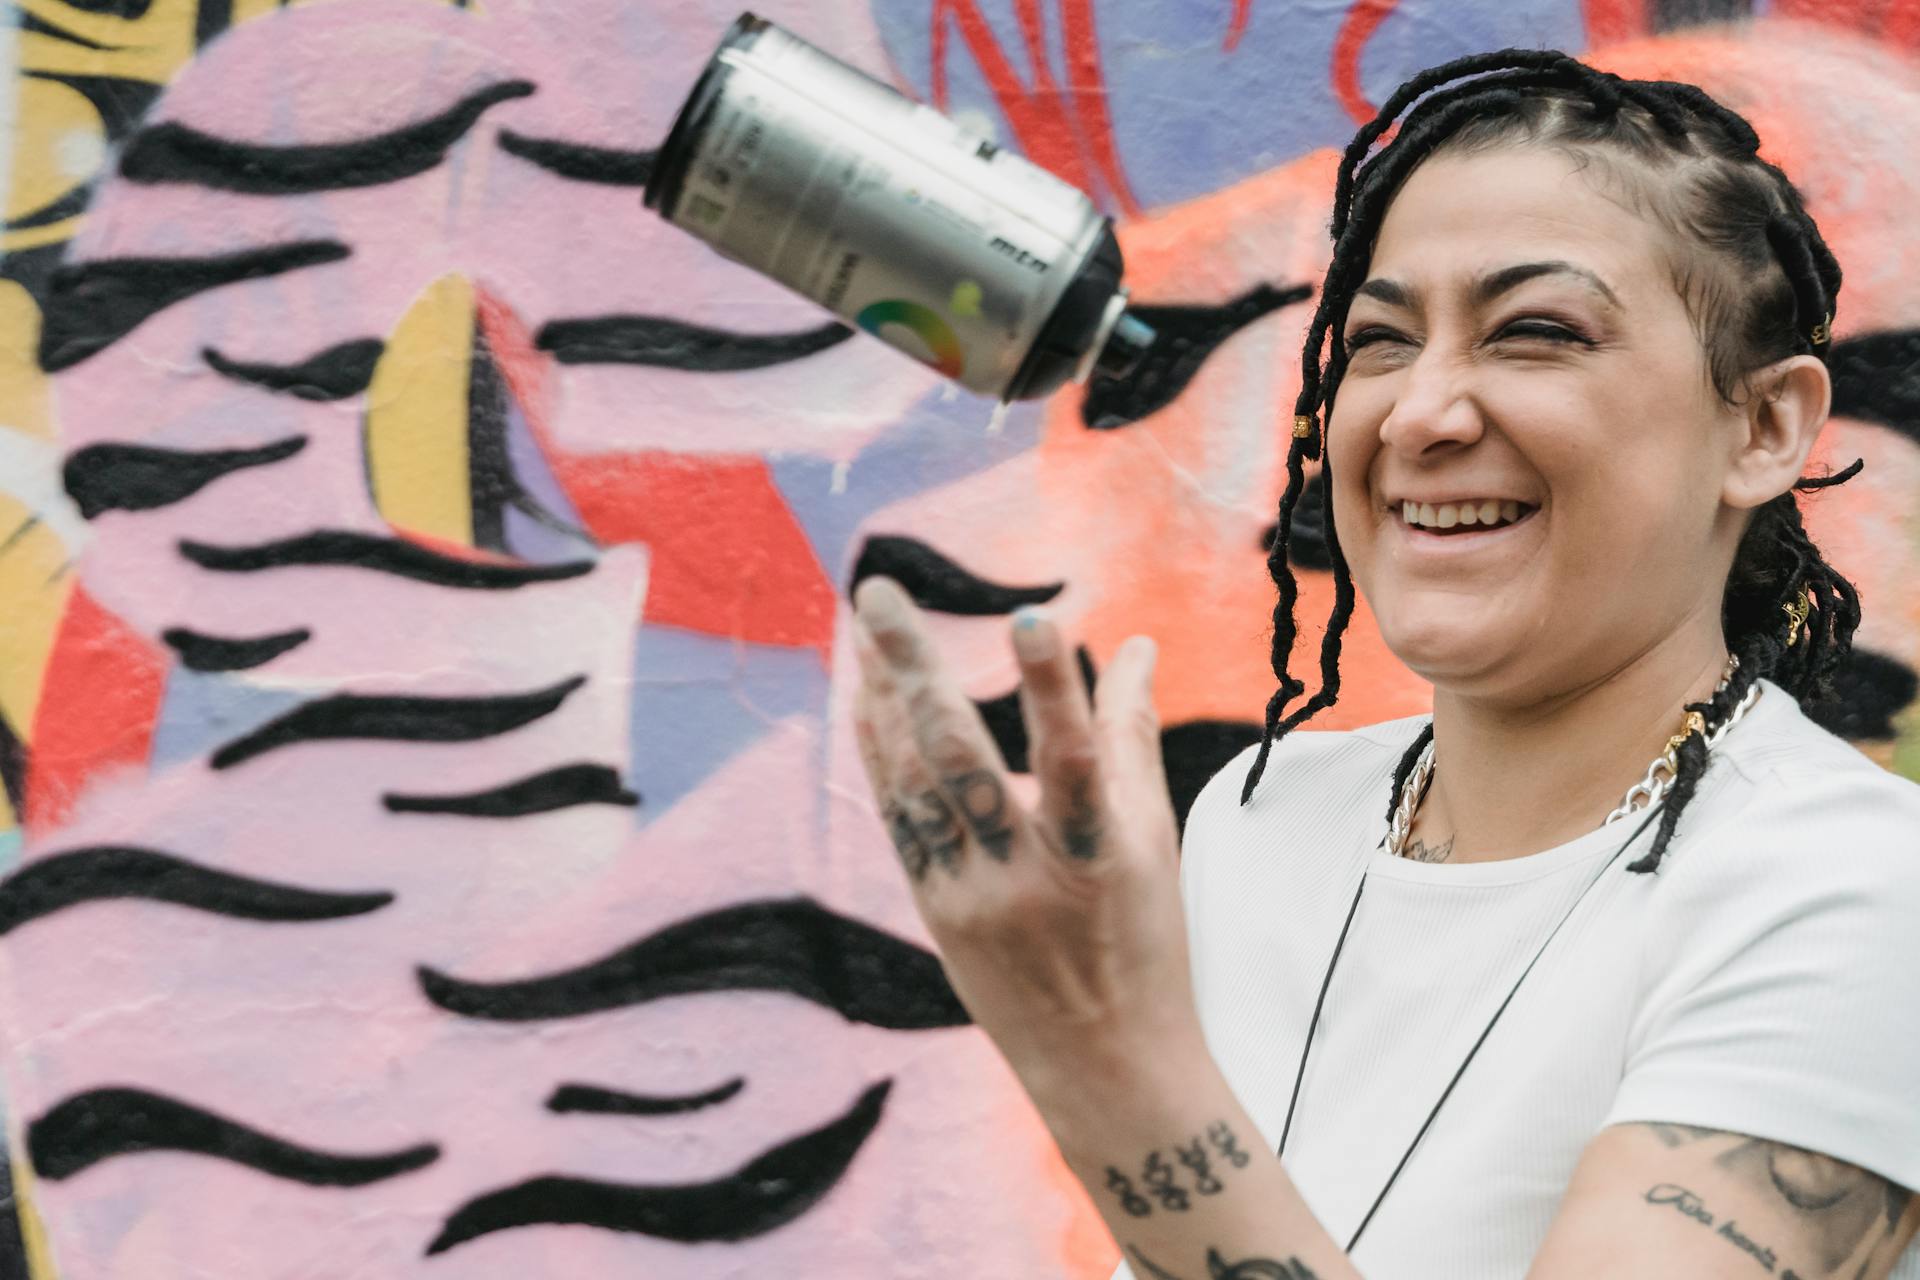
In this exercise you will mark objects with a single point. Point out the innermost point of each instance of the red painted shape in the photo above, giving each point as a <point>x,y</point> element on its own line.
<point>1363,19</point>
<point>1609,21</point>
<point>1090,100</point>
<point>1900,25</point>
<point>522,365</point>
<point>727,556</point>
<point>99,703</point>
<point>1237,25</point>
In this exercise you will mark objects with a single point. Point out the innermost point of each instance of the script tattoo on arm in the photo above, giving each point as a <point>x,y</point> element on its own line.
<point>1218,1268</point>
<point>1194,1156</point>
<point>1841,1210</point>
<point>1131,1201</point>
<point>1162,1179</point>
<point>1223,1140</point>
<point>1158,1175</point>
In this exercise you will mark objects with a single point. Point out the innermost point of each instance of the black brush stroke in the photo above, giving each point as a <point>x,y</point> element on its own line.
<point>103,1124</point>
<point>673,344</point>
<point>1008,728</point>
<point>69,205</point>
<point>397,718</point>
<point>1186,336</point>
<point>396,556</point>
<point>172,152</point>
<point>132,477</point>
<point>768,1191</point>
<point>588,1099</point>
<point>1194,751</point>
<point>935,582</point>
<point>211,18</point>
<point>102,873</point>
<point>1876,378</point>
<point>582,163</point>
<point>1307,545</point>
<point>561,788</point>
<point>199,652</point>
<point>91,305</point>
<point>792,945</point>
<point>335,374</point>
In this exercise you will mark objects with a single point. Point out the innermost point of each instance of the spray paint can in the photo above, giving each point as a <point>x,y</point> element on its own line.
<point>963,255</point>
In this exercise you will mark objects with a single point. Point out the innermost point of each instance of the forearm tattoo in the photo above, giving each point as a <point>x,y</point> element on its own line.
<point>983,803</point>
<point>1843,1212</point>
<point>1218,1268</point>
<point>1164,1182</point>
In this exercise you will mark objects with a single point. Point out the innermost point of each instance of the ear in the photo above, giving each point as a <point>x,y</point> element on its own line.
<point>1783,417</point>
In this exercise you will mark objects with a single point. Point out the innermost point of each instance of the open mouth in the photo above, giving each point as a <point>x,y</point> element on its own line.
<point>1450,519</point>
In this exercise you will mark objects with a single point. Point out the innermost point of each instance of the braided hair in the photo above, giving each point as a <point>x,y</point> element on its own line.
<point>1759,284</point>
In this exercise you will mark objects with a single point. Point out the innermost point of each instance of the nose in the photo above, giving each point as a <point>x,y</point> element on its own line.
<point>1435,406</point>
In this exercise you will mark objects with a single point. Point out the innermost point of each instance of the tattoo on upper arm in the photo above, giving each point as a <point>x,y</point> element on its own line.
<point>1162,1179</point>
<point>1218,1268</point>
<point>1843,1211</point>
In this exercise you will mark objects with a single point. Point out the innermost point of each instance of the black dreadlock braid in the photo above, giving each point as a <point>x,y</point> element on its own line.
<point>1766,291</point>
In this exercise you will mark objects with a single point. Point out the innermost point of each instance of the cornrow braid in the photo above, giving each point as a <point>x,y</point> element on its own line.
<point>1787,614</point>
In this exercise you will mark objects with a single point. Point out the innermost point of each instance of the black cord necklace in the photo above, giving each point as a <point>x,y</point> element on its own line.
<point>1313,1024</point>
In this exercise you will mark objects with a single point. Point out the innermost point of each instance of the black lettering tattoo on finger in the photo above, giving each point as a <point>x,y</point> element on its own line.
<point>983,803</point>
<point>1222,1137</point>
<point>1158,1175</point>
<point>914,855</point>
<point>1194,1157</point>
<point>1131,1201</point>
<point>937,828</point>
<point>1080,826</point>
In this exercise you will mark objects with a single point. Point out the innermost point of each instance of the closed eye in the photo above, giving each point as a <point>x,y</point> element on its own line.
<point>1545,330</point>
<point>1372,335</point>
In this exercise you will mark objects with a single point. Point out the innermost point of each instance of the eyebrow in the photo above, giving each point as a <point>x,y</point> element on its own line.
<point>92,305</point>
<point>1490,286</point>
<point>176,153</point>
<point>580,162</point>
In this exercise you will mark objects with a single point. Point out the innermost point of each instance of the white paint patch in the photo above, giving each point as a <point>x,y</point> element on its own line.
<point>30,471</point>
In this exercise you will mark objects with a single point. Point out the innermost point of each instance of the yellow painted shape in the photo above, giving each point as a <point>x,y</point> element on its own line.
<point>33,237</point>
<point>416,427</point>
<point>161,37</point>
<point>33,1233</point>
<point>54,56</point>
<point>59,143</point>
<point>23,387</point>
<point>31,604</point>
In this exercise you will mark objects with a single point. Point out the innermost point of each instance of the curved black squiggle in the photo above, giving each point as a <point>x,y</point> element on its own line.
<point>91,305</point>
<point>1876,378</point>
<point>171,152</point>
<point>104,1123</point>
<point>768,1191</point>
<point>587,1099</point>
<point>217,653</point>
<point>582,163</point>
<point>542,793</point>
<point>380,555</point>
<point>336,373</point>
<point>103,872</point>
<point>1187,336</point>
<point>674,344</point>
<point>132,477</point>
<point>396,718</point>
<point>936,582</point>
<point>793,945</point>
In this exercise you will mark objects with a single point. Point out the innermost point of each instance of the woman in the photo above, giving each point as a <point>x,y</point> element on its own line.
<point>1605,970</point>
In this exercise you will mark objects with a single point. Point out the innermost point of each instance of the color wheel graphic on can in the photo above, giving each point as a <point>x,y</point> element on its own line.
<point>924,323</point>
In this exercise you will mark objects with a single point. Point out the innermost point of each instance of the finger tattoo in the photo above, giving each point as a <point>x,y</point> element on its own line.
<point>914,855</point>
<point>939,831</point>
<point>983,803</point>
<point>1080,826</point>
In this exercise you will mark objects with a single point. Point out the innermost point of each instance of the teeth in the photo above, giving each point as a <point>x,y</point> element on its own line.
<point>1469,514</point>
<point>1509,511</point>
<point>1427,517</point>
<point>1449,516</point>
<point>1490,512</point>
<point>1410,512</point>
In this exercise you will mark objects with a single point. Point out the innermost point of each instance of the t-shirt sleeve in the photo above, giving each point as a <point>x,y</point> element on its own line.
<point>1781,977</point>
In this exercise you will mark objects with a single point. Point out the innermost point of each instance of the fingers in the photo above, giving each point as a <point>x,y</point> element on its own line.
<point>927,751</point>
<point>1128,726</point>
<point>1062,746</point>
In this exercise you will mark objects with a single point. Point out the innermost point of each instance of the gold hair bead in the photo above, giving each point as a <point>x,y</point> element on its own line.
<point>1823,332</point>
<point>1303,426</point>
<point>1796,611</point>
<point>1694,723</point>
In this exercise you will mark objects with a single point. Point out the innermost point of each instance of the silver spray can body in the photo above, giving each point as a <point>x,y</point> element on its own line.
<point>963,255</point>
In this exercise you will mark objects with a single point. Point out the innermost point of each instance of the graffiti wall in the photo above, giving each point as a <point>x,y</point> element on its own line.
<point>431,840</point>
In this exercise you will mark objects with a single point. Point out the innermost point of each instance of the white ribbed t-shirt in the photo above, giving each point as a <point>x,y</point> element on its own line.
<point>1765,981</point>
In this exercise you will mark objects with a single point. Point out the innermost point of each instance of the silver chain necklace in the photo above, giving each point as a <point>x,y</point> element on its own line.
<point>1642,795</point>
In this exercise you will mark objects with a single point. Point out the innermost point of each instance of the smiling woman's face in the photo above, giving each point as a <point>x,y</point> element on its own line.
<point>1519,348</point>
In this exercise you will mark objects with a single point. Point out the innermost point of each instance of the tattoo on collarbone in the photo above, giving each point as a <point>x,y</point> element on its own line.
<point>1158,1175</point>
<point>1218,1268</point>
<point>1131,1202</point>
<point>1222,1137</point>
<point>1080,827</point>
<point>1843,1214</point>
<point>983,803</point>
<point>1420,851</point>
<point>938,829</point>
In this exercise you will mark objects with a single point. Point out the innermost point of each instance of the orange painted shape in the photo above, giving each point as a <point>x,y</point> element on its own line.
<point>97,709</point>
<point>727,556</point>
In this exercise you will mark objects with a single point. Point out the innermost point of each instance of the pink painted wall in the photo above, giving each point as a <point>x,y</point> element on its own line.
<point>432,840</point>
